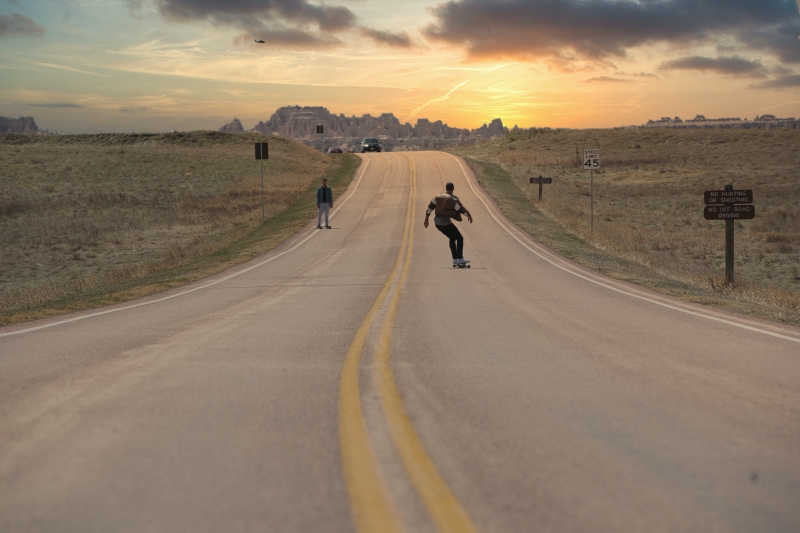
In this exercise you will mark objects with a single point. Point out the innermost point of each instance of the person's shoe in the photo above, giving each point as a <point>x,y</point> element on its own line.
<point>319,227</point>
<point>456,262</point>
<point>327,227</point>
<point>464,261</point>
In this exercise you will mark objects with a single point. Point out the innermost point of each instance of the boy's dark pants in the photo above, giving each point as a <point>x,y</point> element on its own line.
<point>456,240</point>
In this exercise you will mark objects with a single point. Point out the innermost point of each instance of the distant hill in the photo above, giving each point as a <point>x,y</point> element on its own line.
<point>700,121</point>
<point>301,123</point>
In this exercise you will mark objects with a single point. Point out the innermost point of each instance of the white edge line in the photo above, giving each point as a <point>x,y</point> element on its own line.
<point>646,299</point>
<point>207,285</point>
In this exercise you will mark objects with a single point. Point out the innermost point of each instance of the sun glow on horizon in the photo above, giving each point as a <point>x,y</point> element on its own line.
<point>86,72</point>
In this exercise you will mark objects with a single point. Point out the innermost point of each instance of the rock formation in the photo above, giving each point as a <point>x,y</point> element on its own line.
<point>233,127</point>
<point>301,123</point>
<point>18,125</point>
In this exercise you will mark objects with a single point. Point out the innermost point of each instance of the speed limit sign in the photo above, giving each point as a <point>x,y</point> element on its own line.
<point>591,158</point>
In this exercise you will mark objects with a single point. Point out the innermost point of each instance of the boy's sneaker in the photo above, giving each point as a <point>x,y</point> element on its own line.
<point>327,227</point>
<point>456,262</point>
<point>319,227</point>
<point>463,261</point>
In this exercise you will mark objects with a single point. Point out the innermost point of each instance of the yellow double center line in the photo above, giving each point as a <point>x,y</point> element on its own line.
<point>370,500</point>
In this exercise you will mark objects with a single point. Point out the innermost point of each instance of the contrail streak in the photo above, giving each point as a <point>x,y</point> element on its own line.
<point>64,67</point>
<point>454,89</point>
<point>439,99</point>
<point>770,107</point>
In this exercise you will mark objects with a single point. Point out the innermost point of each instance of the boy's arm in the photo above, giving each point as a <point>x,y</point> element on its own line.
<point>431,207</point>
<point>463,210</point>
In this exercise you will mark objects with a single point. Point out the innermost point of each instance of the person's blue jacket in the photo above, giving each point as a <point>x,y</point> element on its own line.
<point>324,195</point>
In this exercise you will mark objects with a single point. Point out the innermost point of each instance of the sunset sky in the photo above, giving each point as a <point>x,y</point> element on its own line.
<point>86,66</point>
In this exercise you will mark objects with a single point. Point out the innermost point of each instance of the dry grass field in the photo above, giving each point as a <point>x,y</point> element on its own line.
<point>648,206</point>
<point>83,216</point>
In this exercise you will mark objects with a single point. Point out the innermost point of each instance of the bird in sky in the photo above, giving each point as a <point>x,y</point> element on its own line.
<point>260,41</point>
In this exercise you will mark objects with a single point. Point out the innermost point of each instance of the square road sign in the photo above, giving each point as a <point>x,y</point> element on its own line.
<point>591,158</point>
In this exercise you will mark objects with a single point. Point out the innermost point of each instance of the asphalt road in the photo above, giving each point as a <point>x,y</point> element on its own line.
<point>352,380</point>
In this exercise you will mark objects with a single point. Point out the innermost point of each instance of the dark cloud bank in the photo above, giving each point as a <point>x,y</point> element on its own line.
<point>297,23</point>
<point>605,29</point>
<point>16,24</point>
<point>64,105</point>
<point>733,66</point>
<point>561,31</point>
<point>791,81</point>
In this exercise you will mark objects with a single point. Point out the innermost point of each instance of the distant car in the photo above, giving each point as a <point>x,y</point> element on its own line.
<point>370,145</point>
<point>334,150</point>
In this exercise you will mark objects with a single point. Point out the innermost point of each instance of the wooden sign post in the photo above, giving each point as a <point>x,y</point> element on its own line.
<point>541,180</point>
<point>725,205</point>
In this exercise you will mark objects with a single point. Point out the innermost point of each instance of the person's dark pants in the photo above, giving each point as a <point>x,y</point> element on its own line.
<point>456,240</point>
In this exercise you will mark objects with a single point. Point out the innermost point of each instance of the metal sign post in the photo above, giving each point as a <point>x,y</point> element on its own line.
<point>729,247</point>
<point>540,180</point>
<point>591,161</point>
<point>263,202</point>
<point>262,153</point>
<point>724,205</point>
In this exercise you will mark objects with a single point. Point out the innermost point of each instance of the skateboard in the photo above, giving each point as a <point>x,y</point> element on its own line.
<point>461,266</point>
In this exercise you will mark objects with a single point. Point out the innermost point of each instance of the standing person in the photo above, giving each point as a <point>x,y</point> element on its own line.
<point>448,207</point>
<point>324,203</point>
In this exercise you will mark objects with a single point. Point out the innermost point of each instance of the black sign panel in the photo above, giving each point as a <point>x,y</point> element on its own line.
<point>743,196</point>
<point>541,180</point>
<point>262,151</point>
<point>729,212</point>
<point>320,129</point>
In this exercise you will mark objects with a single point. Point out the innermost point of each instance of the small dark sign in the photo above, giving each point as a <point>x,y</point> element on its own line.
<point>729,212</point>
<point>743,196</point>
<point>262,151</point>
<point>541,180</point>
<point>320,129</point>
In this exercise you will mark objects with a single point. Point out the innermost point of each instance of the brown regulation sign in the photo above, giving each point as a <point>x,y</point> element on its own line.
<point>729,212</point>
<point>262,151</point>
<point>741,196</point>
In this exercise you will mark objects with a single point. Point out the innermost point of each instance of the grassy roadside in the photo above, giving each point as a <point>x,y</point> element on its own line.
<point>159,211</point>
<point>517,204</point>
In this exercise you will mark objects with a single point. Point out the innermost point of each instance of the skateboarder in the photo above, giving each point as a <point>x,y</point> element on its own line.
<point>448,207</point>
<point>324,203</point>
